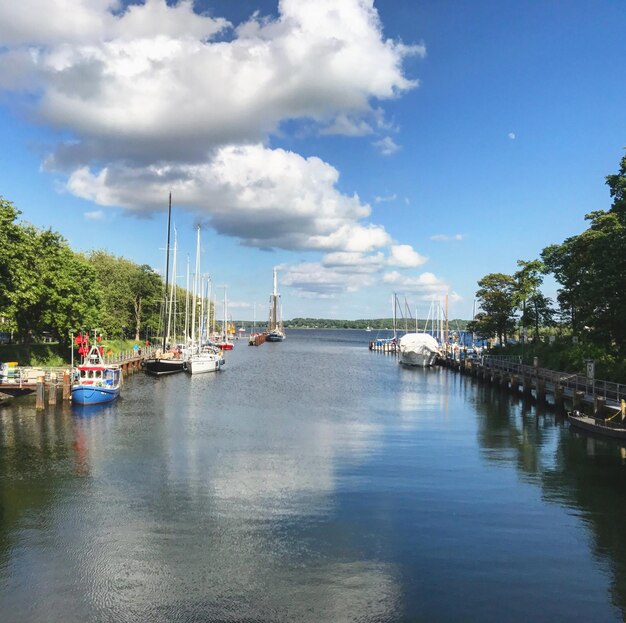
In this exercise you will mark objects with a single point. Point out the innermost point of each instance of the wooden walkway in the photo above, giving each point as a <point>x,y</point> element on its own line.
<point>540,382</point>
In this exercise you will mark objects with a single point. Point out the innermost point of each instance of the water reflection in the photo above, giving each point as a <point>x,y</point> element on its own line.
<point>314,481</point>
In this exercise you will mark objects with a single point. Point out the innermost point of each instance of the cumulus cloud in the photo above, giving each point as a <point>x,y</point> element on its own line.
<point>150,79</point>
<point>158,97</point>
<point>511,135</point>
<point>312,279</point>
<point>405,256</point>
<point>270,198</point>
<point>426,285</point>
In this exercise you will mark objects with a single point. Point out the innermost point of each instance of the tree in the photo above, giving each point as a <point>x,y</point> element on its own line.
<point>51,288</point>
<point>590,268</point>
<point>527,297</point>
<point>131,292</point>
<point>496,295</point>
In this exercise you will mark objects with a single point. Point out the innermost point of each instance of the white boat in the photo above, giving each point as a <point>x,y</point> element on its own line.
<point>418,349</point>
<point>275,330</point>
<point>208,359</point>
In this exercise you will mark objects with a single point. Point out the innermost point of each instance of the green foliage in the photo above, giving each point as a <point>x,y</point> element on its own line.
<point>591,267</point>
<point>132,294</point>
<point>497,295</point>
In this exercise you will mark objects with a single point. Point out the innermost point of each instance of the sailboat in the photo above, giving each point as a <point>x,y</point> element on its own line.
<point>166,361</point>
<point>275,330</point>
<point>202,358</point>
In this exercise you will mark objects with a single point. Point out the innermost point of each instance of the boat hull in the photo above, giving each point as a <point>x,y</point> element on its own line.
<point>594,425</point>
<point>274,336</point>
<point>418,360</point>
<point>202,366</point>
<point>163,367</point>
<point>93,395</point>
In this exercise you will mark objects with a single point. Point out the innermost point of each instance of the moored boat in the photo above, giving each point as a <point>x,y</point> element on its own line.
<point>418,349</point>
<point>275,330</point>
<point>208,359</point>
<point>600,426</point>
<point>94,381</point>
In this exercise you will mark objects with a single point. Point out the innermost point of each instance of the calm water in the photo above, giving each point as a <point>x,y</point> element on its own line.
<point>309,481</point>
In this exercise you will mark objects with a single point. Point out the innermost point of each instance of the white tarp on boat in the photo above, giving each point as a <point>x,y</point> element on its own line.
<point>418,349</point>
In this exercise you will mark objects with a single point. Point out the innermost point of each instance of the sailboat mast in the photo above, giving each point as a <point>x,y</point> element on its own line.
<point>172,293</point>
<point>187,304</point>
<point>167,266</point>
<point>195,289</point>
<point>274,303</point>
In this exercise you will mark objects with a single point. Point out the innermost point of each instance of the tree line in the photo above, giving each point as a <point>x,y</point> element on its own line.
<point>46,289</point>
<point>589,268</point>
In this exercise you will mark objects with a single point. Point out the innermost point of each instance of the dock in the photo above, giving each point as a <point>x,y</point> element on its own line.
<point>541,384</point>
<point>49,381</point>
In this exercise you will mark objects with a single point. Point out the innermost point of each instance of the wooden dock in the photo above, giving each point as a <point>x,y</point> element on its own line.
<point>50,381</point>
<point>538,383</point>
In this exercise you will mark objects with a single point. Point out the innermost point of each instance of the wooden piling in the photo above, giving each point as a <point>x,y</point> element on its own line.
<point>40,394</point>
<point>541,390</point>
<point>558,396</point>
<point>622,408</point>
<point>67,390</point>
<point>598,406</point>
<point>52,389</point>
<point>577,399</point>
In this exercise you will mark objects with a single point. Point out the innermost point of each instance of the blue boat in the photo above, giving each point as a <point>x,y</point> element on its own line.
<point>95,382</point>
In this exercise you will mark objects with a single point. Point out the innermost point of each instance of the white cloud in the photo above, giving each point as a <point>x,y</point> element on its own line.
<point>426,285</point>
<point>267,198</point>
<point>511,135</point>
<point>312,279</point>
<point>386,146</point>
<point>150,80</point>
<point>447,238</point>
<point>94,215</point>
<point>405,256</point>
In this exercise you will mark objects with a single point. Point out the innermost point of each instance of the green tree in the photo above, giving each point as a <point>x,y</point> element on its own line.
<point>52,289</point>
<point>528,298</point>
<point>496,295</point>
<point>131,293</point>
<point>590,268</point>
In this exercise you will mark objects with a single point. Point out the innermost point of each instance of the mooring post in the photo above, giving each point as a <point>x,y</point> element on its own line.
<point>67,392</point>
<point>514,383</point>
<point>598,406</point>
<point>622,408</point>
<point>541,390</point>
<point>577,399</point>
<point>558,396</point>
<point>52,390</point>
<point>40,394</point>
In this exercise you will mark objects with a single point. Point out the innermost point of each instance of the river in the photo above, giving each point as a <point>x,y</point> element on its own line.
<point>311,480</point>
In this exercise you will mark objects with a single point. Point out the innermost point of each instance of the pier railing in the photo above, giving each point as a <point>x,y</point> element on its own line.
<point>615,392</point>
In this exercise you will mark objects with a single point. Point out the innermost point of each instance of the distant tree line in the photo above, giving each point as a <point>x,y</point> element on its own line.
<point>376,324</point>
<point>46,289</point>
<point>590,269</point>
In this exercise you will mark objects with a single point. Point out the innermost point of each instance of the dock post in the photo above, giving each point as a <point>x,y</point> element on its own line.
<point>67,391</point>
<point>622,408</point>
<point>527,385</point>
<point>577,399</point>
<point>52,389</point>
<point>558,397</point>
<point>598,406</point>
<point>541,390</point>
<point>40,394</point>
<point>514,383</point>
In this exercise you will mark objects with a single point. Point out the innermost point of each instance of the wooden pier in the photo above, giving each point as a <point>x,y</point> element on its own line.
<point>50,381</point>
<point>543,385</point>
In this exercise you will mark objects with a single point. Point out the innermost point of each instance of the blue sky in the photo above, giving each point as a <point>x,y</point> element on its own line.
<point>363,148</point>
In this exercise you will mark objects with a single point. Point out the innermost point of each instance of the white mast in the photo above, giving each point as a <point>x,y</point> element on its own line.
<point>225,326</point>
<point>187,304</point>
<point>195,289</point>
